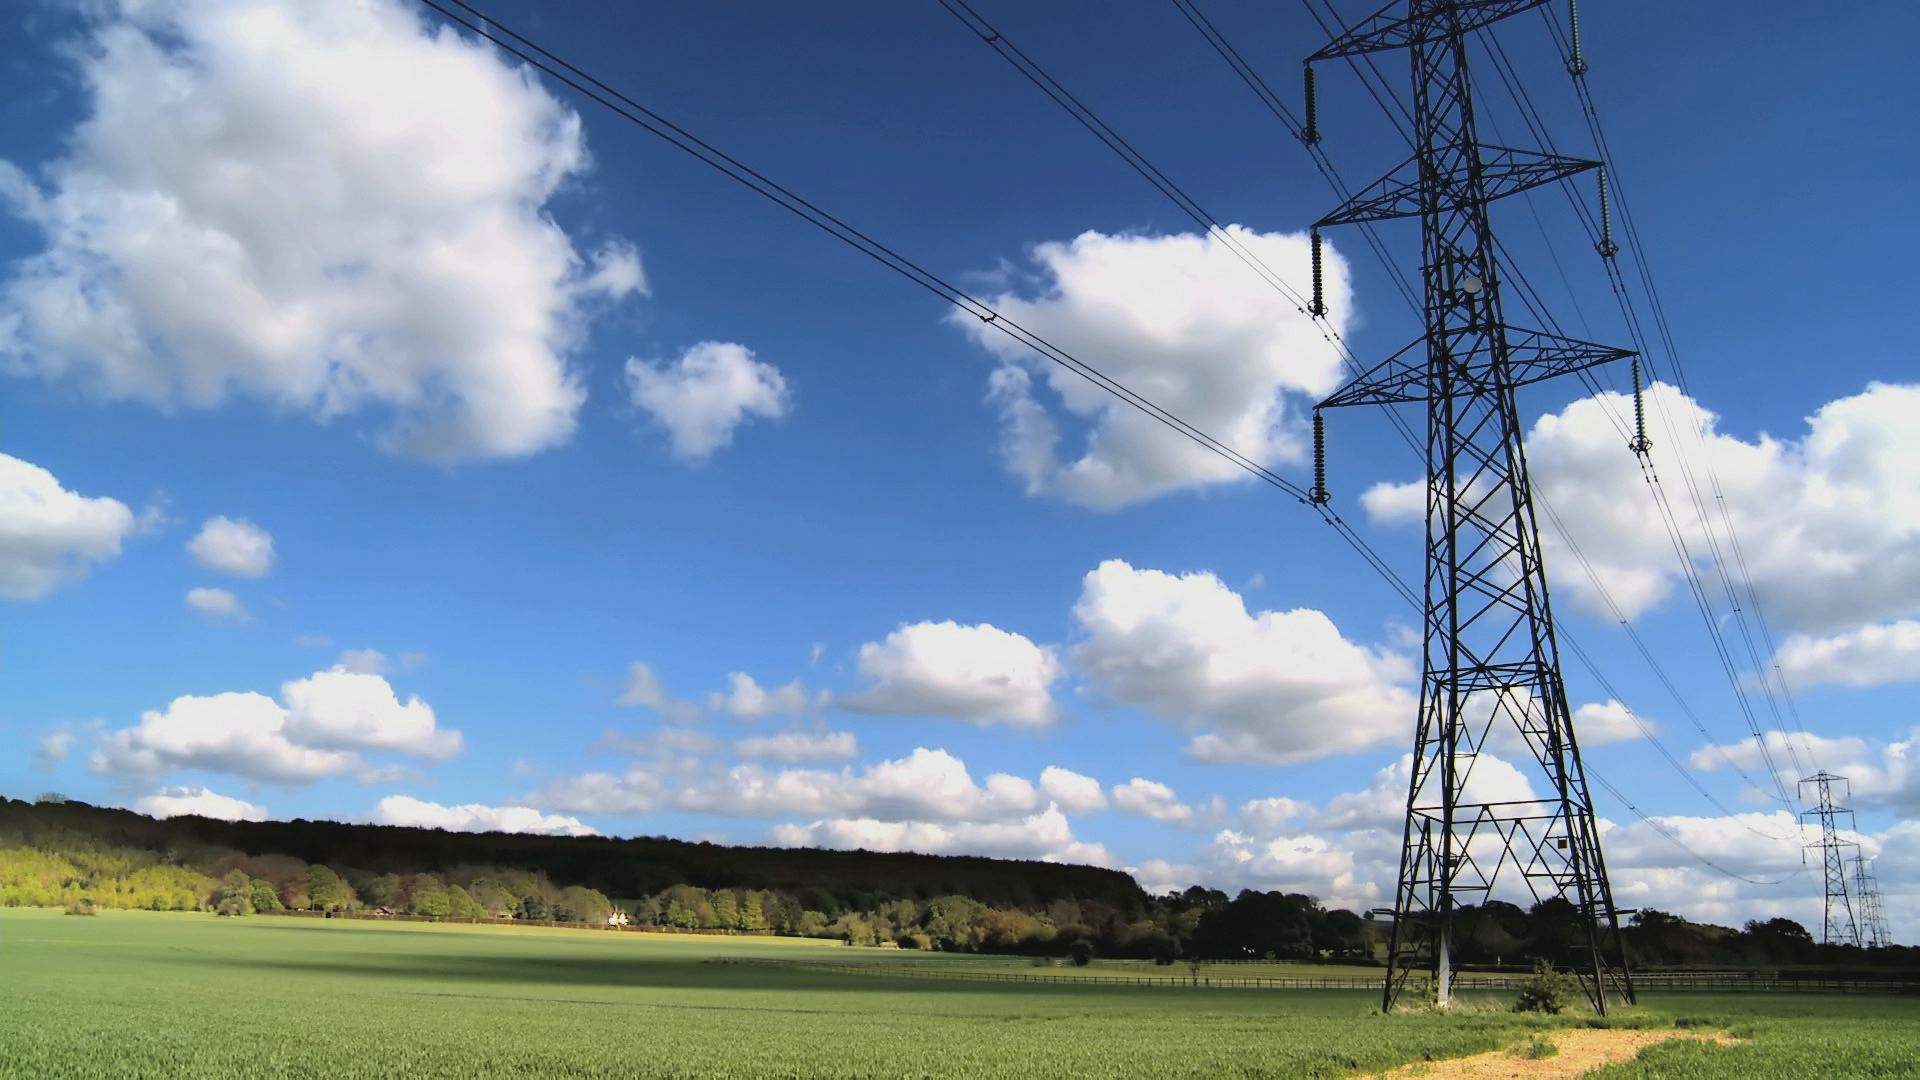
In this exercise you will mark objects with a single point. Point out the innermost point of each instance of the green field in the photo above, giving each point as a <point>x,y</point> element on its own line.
<point>138,994</point>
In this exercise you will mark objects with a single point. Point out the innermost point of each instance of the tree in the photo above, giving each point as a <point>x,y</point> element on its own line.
<point>295,892</point>
<point>726,910</point>
<point>1082,952</point>
<point>383,891</point>
<point>535,908</point>
<point>427,895</point>
<point>328,890</point>
<point>234,896</point>
<point>461,904</point>
<point>753,912</point>
<point>261,894</point>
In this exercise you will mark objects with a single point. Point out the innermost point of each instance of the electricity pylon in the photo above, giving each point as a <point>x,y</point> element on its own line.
<point>1841,928</point>
<point>1873,922</point>
<point>1492,664</point>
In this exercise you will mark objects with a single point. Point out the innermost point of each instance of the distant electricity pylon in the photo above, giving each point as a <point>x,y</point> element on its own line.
<point>1492,665</point>
<point>1873,921</point>
<point>1838,924</point>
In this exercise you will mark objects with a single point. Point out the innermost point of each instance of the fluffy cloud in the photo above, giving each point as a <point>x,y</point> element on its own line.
<point>705,395</point>
<point>1075,793</point>
<point>1275,688</point>
<point>326,721</point>
<point>981,674</point>
<point>217,604</point>
<point>49,535</point>
<point>1271,814</point>
<point>1383,803</point>
<point>1305,864</point>
<point>1046,836</point>
<point>476,817</point>
<point>347,710</point>
<point>746,699</point>
<point>799,746</point>
<point>1150,798</point>
<point>325,208</point>
<point>53,748</point>
<point>1886,774</point>
<point>200,802</point>
<point>1182,320</point>
<point>1867,656</point>
<point>1827,523</point>
<point>242,734</point>
<point>926,785</point>
<point>230,546</point>
<point>645,690</point>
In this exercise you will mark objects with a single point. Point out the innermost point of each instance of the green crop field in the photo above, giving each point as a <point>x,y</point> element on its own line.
<point>138,994</point>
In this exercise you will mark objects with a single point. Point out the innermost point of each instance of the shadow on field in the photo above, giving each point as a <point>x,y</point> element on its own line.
<point>579,972</point>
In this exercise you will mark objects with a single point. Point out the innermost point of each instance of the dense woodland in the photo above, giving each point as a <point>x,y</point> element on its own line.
<point>56,853</point>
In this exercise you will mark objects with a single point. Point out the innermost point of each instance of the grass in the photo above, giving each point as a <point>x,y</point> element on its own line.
<point>139,994</point>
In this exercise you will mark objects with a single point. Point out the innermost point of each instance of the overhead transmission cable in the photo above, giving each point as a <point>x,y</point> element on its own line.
<point>1576,68</point>
<point>1278,106</point>
<point>1249,75</point>
<point>479,23</point>
<point>994,38</point>
<point>1384,94</point>
<point>591,87</point>
<point>1523,101</point>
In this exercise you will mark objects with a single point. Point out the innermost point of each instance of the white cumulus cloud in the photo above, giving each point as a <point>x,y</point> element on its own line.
<point>1074,792</point>
<point>1150,798</point>
<point>1179,318</point>
<point>200,802</point>
<point>476,817</point>
<point>645,690</point>
<point>231,546</point>
<point>981,674</point>
<point>216,604</point>
<point>241,734</point>
<point>799,746</point>
<point>1828,523</point>
<point>48,535</point>
<point>340,709</point>
<point>1046,836</point>
<point>1869,655</point>
<point>746,699</point>
<point>326,722</point>
<point>703,397</point>
<point>330,209</point>
<point>1274,687</point>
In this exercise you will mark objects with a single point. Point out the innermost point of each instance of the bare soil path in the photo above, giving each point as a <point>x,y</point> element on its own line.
<point>1580,1051</point>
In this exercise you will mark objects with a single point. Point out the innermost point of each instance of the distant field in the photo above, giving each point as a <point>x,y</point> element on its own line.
<point>138,994</point>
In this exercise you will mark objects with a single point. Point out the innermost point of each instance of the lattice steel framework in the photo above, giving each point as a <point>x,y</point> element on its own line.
<point>1492,665</point>
<point>1873,921</point>
<point>1838,924</point>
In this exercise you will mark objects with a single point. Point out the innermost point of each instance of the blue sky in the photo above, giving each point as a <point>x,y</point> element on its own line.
<point>521,404</point>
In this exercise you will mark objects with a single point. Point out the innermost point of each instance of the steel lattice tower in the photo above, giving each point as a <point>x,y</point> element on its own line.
<point>1833,858</point>
<point>1492,665</point>
<point>1873,922</point>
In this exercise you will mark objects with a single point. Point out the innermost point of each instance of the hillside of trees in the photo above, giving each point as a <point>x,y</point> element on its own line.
<point>57,853</point>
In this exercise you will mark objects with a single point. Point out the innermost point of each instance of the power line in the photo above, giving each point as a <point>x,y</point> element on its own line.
<point>1696,587</point>
<point>1577,69</point>
<point>1276,105</point>
<point>580,81</point>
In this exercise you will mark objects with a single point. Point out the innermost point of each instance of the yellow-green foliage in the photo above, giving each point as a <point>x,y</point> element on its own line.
<point>109,878</point>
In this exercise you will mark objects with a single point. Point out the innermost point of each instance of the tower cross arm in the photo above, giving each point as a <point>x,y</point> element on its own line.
<point>1424,21</point>
<point>1504,170</point>
<point>1531,356</point>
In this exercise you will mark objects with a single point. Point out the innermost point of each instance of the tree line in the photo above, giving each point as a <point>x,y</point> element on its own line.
<point>56,852</point>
